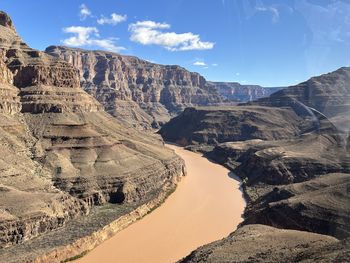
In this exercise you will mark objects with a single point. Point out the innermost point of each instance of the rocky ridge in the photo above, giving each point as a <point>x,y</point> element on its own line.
<point>328,94</point>
<point>234,91</point>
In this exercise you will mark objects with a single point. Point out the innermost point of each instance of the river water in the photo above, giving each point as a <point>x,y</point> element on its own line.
<point>206,206</point>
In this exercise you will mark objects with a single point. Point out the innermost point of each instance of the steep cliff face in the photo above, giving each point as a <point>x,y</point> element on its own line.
<point>234,91</point>
<point>160,91</point>
<point>61,153</point>
<point>10,102</point>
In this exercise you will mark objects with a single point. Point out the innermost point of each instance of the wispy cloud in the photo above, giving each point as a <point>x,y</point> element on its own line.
<point>89,36</point>
<point>114,19</point>
<point>273,10</point>
<point>151,33</point>
<point>199,63</point>
<point>215,64</point>
<point>84,12</point>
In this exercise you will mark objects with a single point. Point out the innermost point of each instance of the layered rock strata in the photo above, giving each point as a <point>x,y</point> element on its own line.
<point>319,205</point>
<point>159,91</point>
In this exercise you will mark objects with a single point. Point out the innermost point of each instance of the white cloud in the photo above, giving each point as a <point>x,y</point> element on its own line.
<point>151,61</point>
<point>113,20</point>
<point>273,10</point>
<point>215,64</point>
<point>81,35</point>
<point>84,12</point>
<point>150,33</point>
<point>89,36</point>
<point>199,63</point>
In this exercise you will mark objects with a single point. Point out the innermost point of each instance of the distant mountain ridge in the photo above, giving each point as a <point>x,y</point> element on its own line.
<point>137,90</point>
<point>234,91</point>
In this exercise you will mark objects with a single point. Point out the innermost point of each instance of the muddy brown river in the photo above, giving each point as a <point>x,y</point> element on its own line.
<point>206,206</point>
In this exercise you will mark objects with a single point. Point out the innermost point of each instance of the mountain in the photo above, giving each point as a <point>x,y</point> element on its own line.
<point>234,91</point>
<point>62,155</point>
<point>136,90</point>
<point>328,94</point>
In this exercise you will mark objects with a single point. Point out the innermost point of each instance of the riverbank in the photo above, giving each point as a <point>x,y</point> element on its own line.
<point>81,235</point>
<point>206,206</point>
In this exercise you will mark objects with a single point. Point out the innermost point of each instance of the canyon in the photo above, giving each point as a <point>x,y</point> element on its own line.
<point>193,215</point>
<point>146,95</point>
<point>295,174</point>
<point>80,162</point>
<point>62,155</point>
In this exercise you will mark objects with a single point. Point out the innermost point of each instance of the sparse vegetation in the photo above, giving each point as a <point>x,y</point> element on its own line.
<point>75,257</point>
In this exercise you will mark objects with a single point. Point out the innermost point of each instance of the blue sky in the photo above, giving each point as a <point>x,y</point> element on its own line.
<point>266,42</point>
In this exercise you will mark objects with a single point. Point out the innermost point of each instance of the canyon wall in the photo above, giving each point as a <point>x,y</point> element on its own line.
<point>120,83</point>
<point>61,153</point>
